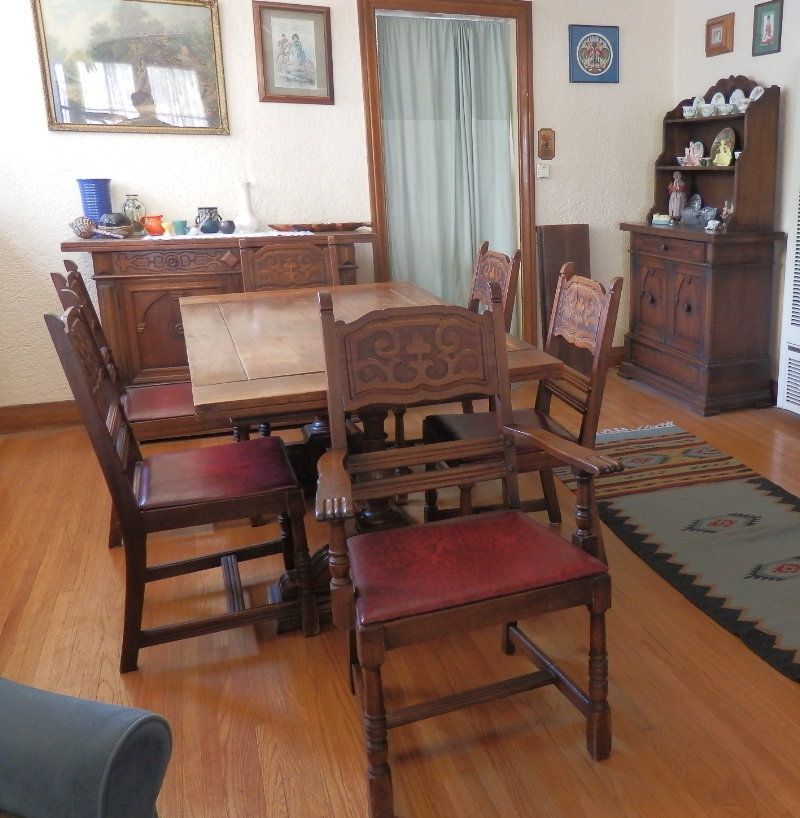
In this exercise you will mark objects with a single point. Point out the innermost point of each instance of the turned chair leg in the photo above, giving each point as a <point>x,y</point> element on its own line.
<point>598,722</point>
<point>379,776</point>
<point>309,615</point>
<point>550,496</point>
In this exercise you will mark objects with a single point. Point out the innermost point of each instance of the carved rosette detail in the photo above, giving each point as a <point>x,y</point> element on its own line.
<point>159,262</point>
<point>415,354</point>
<point>577,322</point>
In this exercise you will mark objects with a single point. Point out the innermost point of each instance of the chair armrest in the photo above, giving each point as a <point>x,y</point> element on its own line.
<point>572,454</point>
<point>334,491</point>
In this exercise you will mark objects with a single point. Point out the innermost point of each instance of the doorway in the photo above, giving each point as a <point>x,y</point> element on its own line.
<point>456,170</point>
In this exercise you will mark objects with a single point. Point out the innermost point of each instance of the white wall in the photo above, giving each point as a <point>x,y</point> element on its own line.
<point>695,73</point>
<point>307,162</point>
<point>607,135</point>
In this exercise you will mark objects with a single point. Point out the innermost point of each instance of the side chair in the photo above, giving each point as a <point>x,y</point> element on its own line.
<point>490,266</point>
<point>581,332</point>
<point>180,489</point>
<point>419,583</point>
<point>154,410</point>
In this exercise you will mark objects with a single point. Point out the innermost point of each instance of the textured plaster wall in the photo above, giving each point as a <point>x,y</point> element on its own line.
<point>695,73</point>
<point>607,135</point>
<point>307,162</point>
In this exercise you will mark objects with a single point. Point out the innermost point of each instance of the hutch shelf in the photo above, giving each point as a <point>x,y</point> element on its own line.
<point>701,308</point>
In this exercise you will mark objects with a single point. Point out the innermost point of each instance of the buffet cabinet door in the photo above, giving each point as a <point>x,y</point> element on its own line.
<point>155,348</point>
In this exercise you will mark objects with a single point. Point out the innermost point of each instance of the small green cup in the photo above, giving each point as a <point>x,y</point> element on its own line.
<point>179,227</point>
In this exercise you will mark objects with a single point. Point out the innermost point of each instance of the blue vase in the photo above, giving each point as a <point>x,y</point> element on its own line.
<point>210,225</point>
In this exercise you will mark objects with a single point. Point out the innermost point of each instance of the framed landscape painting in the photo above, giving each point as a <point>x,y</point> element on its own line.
<point>293,52</point>
<point>593,53</point>
<point>767,25</point>
<point>132,65</point>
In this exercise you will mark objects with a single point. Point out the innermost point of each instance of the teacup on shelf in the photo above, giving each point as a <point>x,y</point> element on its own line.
<point>742,106</point>
<point>726,109</point>
<point>708,109</point>
<point>681,160</point>
<point>689,111</point>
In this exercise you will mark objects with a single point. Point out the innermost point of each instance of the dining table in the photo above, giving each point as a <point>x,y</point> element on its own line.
<point>260,354</point>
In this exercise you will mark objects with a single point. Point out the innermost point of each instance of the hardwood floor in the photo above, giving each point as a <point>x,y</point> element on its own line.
<point>702,727</point>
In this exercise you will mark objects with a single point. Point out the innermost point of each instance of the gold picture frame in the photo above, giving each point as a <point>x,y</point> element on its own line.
<point>132,66</point>
<point>719,35</point>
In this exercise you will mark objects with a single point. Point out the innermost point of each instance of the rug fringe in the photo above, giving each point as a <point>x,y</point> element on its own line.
<point>664,425</point>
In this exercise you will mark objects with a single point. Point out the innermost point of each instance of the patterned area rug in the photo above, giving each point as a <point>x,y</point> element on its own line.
<point>725,537</point>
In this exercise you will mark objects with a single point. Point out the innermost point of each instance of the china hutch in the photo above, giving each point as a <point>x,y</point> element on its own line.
<point>701,302</point>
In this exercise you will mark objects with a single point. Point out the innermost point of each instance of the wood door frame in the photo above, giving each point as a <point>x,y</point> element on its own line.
<point>520,12</point>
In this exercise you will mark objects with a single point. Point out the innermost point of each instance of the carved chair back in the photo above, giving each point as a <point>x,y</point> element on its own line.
<point>97,397</point>
<point>584,316</point>
<point>72,292</point>
<point>286,263</point>
<point>491,265</point>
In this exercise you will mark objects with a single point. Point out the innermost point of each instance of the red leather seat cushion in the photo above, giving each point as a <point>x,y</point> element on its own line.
<point>431,567</point>
<point>213,473</point>
<point>159,401</point>
<point>483,424</point>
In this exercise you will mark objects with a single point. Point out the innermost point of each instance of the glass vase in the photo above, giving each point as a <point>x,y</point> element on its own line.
<point>133,209</point>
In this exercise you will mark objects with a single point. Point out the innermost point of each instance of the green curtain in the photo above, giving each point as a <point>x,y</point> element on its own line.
<point>447,95</point>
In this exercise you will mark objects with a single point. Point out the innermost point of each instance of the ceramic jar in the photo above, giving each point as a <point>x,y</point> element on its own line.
<point>152,224</point>
<point>208,219</point>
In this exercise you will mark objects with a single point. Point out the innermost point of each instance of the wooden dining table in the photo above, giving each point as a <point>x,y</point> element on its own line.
<point>261,355</point>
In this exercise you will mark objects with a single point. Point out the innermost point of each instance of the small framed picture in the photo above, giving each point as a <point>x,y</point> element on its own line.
<point>593,53</point>
<point>293,52</point>
<point>767,25</point>
<point>719,35</point>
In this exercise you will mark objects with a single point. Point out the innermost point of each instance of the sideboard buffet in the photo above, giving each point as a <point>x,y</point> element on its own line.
<point>701,302</point>
<point>140,281</point>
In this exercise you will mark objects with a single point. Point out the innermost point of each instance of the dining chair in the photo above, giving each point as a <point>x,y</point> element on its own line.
<point>179,489</point>
<point>283,264</point>
<point>414,584</point>
<point>583,320</point>
<point>154,410</point>
<point>490,265</point>
<point>287,264</point>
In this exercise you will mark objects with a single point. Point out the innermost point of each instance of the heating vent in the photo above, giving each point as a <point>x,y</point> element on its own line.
<point>792,389</point>
<point>795,317</point>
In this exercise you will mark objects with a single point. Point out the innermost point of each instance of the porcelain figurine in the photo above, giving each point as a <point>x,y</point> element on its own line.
<point>677,196</point>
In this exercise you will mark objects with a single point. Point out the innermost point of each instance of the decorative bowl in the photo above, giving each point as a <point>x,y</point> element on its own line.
<point>689,111</point>
<point>707,109</point>
<point>113,220</point>
<point>726,109</point>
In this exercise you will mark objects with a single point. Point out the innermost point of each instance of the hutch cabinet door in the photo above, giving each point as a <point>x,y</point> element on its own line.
<point>686,310</point>
<point>155,344</point>
<point>648,297</point>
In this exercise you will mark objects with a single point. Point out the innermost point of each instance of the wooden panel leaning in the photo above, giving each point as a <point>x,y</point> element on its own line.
<point>583,320</point>
<point>418,583</point>
<point>180,489</point>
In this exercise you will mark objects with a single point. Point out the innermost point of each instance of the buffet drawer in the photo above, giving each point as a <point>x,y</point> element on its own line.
<point>668,247</point>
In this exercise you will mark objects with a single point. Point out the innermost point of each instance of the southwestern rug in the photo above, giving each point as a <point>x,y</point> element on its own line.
<point>725,537</point>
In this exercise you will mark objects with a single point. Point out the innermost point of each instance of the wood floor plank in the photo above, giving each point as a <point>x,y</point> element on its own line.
<point>265,726</point>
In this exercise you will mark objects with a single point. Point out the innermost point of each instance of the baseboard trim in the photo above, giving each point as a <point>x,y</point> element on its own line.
<point>617,355</point>
<point>27,416</point>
